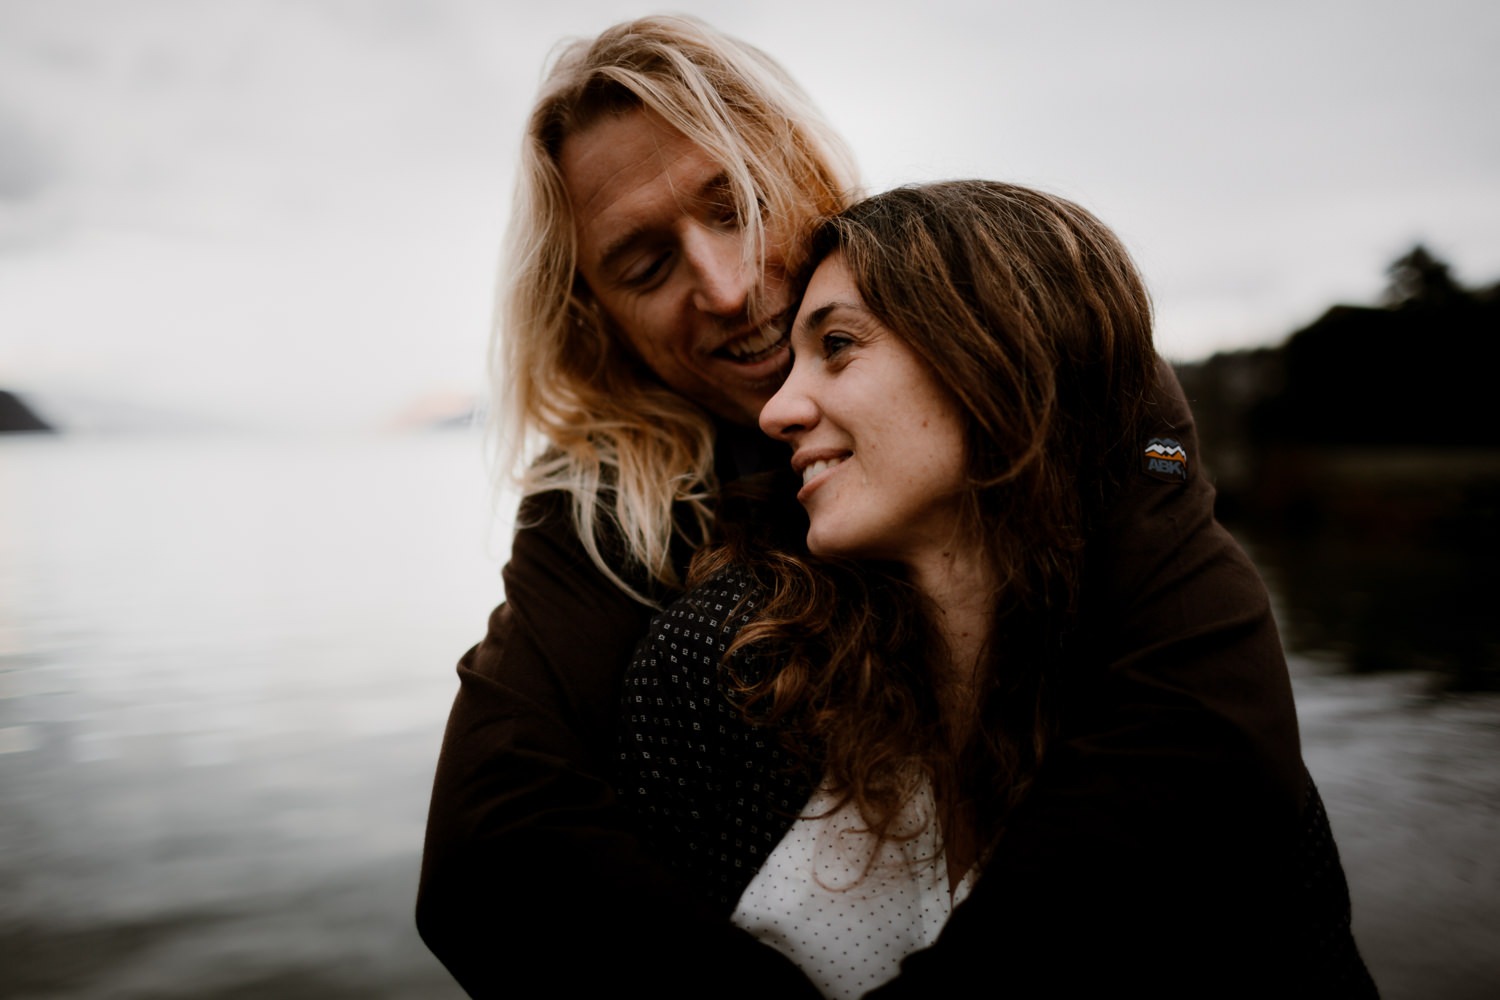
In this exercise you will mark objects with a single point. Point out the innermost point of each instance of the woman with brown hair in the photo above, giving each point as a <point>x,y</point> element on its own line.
<point>836,736</point>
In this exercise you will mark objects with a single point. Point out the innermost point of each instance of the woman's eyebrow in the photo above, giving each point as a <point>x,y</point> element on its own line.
<point>820,315</point>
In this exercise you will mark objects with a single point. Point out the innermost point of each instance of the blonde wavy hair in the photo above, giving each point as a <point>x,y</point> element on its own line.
<point>635,456</point>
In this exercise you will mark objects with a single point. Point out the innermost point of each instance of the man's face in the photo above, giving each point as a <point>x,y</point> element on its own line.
<point>662,250</point>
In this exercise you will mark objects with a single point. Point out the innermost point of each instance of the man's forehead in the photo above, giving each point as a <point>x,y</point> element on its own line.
<point>633,165</point>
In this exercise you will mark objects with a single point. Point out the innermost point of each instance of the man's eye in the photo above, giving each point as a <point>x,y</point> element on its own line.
<point>645,271</point>
<point>727,216</point>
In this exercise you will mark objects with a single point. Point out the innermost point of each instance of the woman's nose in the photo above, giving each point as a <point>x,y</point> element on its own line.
<point>790,412</point>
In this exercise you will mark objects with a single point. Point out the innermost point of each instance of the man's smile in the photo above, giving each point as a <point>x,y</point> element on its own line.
<point>754,346</point>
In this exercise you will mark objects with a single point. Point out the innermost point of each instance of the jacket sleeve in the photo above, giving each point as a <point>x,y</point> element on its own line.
<point>1159,844</point>
<point>531,876</point>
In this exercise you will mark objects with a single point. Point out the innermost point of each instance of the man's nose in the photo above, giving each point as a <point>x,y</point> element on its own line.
<point>722,277</point>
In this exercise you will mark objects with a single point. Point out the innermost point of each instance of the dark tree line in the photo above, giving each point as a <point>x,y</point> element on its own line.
<point>1420,370</point>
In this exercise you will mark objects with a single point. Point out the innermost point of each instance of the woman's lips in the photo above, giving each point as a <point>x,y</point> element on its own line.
<point>814,474</point>
<point>819,467</point>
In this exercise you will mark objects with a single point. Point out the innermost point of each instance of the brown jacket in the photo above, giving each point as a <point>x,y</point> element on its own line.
<point>533,874</point>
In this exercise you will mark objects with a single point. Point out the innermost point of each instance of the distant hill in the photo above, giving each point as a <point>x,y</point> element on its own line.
<point>1421,374</point>
<point>1416,372</point>
<point>71,412</point>
<point>17,417</point>
<point>1367,409</point>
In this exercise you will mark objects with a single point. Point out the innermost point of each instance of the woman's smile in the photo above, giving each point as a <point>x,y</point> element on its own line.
<point>813,471</point>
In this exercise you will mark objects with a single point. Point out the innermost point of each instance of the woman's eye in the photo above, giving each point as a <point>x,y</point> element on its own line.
<point>833,343</point>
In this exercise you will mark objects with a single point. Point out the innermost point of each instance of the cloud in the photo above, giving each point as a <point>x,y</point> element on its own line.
<point>241,183</point>
<point>26,164</point>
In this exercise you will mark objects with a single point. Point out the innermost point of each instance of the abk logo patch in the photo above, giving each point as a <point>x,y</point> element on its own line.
<point>1165,459</point>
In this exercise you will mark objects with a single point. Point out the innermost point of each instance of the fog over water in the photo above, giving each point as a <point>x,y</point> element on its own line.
<point>225,663</point>
<point>288,213</point>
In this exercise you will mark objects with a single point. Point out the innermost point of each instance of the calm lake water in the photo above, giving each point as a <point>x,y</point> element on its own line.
<point>224,669</point>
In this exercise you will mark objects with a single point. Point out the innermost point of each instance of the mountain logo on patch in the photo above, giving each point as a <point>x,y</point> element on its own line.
<point>1165,459</point>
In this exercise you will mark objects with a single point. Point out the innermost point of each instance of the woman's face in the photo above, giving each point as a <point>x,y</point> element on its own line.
<point>878,441</point>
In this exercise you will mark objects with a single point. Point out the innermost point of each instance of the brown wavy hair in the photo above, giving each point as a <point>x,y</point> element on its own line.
<point>1033,315</point>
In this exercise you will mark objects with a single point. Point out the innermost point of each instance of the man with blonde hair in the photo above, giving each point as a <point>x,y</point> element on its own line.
<point>667,171</point>
<point>665,175</point>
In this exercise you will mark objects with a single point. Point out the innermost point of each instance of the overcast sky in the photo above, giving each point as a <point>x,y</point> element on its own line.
<point>288,212</point>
